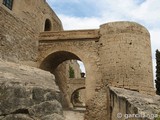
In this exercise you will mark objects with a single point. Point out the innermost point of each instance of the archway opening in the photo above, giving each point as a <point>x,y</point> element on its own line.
<point>51,62</point>
<point>78,98</point>
<point>69,77</point>
<point>48,25</point>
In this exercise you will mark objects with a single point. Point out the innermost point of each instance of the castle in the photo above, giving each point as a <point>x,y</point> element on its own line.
<point>117,56</point>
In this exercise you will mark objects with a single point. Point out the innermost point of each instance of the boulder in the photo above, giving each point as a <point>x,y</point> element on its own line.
<point>28,93</point>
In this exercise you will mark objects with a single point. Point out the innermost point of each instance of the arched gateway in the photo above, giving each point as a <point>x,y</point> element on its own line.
<point>118,54</point>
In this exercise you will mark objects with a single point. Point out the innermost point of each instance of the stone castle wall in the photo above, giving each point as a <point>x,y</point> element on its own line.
<point>81,45</point>
<point>61,80</point>
<point>17,39</point>
<point>34,13</point>
<point>118,54</point>
<point>127,62</point>
<point>20,27</point>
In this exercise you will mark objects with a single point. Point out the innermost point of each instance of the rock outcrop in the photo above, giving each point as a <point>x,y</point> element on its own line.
<point>28,93</point>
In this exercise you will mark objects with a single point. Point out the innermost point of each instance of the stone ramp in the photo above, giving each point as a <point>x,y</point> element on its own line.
<point>74,114</point>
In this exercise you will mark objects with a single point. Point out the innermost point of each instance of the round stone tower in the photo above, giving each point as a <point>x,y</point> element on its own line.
<point>125,54</point>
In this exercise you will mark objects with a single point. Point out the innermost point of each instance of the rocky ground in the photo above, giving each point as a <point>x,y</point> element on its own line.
<point>28,93</point>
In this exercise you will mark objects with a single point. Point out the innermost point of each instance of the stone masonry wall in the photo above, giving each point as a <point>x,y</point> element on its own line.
<point>61,80</point>
<point>34,13</point>
<point>87,51</point>
<point>20,27</point>
<point>118,54</point>
<point>56,51</point>
<point>126,56</point>
<point>17,39</point>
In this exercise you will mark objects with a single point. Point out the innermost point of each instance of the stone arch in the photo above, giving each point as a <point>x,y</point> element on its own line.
<point>53,60</point>
<point>73,95</point>
<point>48,25</point>
<point>89,59</point>
<point>51,63</point>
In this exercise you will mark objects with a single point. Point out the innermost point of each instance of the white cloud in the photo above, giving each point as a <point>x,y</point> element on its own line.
<point>62,1</point>
<point>82,67</point>
<point>148,11</point>
<point>155,40</point>
<point>154,70</point>
<point>70,22</point>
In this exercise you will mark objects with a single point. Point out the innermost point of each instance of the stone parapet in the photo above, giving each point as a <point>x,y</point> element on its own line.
<point>69,35</point>
<point>125,104</point>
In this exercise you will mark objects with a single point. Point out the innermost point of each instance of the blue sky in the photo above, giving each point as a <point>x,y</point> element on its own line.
<point>90,14</point>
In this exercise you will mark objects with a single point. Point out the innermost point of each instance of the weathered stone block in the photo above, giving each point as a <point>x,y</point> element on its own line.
<point>22,96</point>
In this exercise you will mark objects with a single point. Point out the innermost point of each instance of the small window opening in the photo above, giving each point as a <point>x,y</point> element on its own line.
<point>8,3</point>
<point>47,25</point>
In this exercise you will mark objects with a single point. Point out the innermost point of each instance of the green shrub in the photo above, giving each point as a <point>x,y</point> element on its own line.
<point>158,118</point>
<point>71,72</point>
<point>158,72</point>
